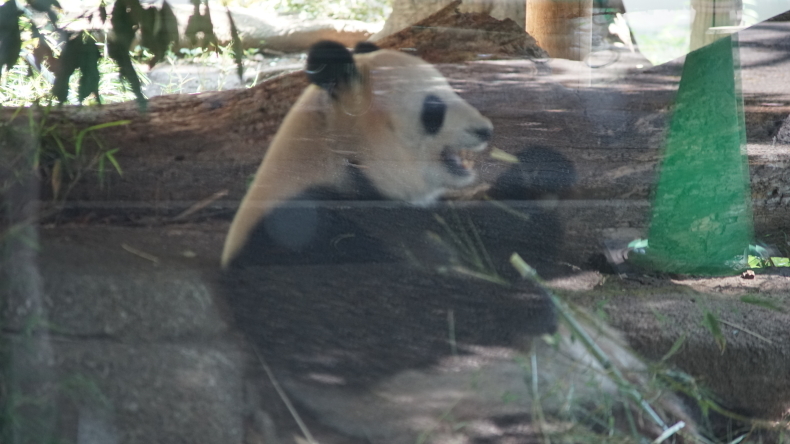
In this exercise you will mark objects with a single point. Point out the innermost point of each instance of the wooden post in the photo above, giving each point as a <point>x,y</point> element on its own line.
<point>562,27</point>
<point>709,18</point>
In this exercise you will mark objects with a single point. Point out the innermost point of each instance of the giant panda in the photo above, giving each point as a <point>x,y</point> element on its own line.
<point>377,307</point>
<point>374,126</point>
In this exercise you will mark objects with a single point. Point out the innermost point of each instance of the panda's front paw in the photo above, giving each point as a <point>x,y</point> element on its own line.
<point>541,173</point>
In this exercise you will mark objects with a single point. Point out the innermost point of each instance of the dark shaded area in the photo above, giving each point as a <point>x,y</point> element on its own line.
<point>351,288</point>
<point>358,323</point>
<point>365,47</point>
<point>312,229</point>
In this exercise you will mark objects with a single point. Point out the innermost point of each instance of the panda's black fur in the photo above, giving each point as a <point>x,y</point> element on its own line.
<point>342,278</point>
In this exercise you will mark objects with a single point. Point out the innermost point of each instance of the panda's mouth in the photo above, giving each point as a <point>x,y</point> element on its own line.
<point>457,162</point>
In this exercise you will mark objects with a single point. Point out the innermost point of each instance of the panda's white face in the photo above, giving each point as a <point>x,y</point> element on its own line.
<point>417,131</point>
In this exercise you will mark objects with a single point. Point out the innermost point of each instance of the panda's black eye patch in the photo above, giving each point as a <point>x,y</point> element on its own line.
<point>433,111</point>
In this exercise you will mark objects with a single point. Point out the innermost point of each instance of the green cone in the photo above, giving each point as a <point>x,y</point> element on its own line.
<point>702,215</point>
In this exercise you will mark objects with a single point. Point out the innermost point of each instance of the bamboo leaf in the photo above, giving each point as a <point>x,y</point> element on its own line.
<point>711,322</point>
<point>111,157</point>
<point>81,135</point>
<point>200,23</point>
<point>764,303</point>
<point>675,347</point>
<point>169,23</point>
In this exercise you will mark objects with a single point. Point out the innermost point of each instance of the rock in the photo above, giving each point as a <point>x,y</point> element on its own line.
<point>783,136</point>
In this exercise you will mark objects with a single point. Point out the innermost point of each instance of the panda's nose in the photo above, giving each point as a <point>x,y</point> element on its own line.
<point>484,134</point>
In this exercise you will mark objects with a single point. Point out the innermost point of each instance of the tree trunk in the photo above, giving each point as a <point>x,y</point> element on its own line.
<point>712,14</point>
<point>562,27</point>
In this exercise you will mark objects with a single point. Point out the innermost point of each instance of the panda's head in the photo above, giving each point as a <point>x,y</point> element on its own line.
<point>410,133</point>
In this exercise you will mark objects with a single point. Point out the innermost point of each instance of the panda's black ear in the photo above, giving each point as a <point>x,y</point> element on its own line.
<point>365,47</point>
<point>330,65</point>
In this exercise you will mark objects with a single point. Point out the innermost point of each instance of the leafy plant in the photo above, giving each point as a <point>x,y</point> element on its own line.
<point>711,322</point>
<point>71,159</point>
<point>157,29</point>
<point>80,52</point>
<point>21,89</point>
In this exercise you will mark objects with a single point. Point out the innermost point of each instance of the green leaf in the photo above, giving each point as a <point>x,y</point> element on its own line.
<point>780,261</point>
<point>111,157</point>
<point>135,10</point>
<point>89,68</point>
<point>159,28</point>
<point>764,303</point>
<point>169,23</point>
<point>675,347</point>
<point>125,18</point>
<point>120,53</point>
<point>123,26</point>
<point>149,19</point>
<point>200,23</point>
<point>103,12</point>
<point>755,262</point>
<point>62,148</point>
<point>764,262</point>
<point>236,45</point>
<point>81,135</point>
<point>68,62</point>
<point>711,322</point>
<point>10,39</point>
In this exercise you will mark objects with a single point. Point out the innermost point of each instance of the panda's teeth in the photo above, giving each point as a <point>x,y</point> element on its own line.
<point>454,163</point>
<point>467,159</point>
